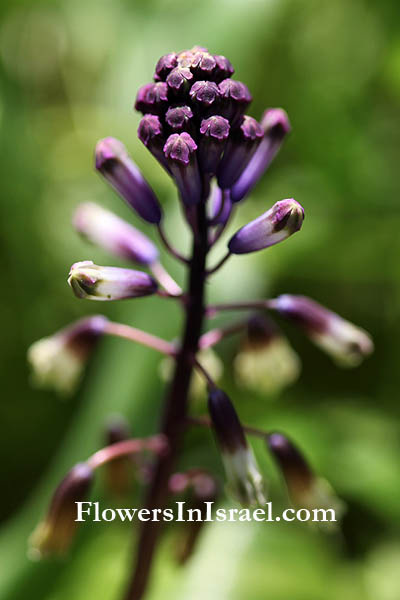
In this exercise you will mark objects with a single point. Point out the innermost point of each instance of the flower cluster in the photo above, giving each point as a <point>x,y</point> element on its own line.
<point>195,125</point>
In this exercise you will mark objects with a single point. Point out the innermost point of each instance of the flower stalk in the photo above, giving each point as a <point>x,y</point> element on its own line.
<point>175,412</point>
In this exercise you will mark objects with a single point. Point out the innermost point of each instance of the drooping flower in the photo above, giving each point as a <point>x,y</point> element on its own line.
<point>305,489</point>
<point>54,535</point>
<point>266,362</point>
<point>244,480</point>
<point>58,361</point>
<point>346,343</point>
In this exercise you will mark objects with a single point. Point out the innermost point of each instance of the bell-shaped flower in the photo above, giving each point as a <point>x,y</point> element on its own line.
<point>346,343</point>
<point>244,480</point>
<point>305,489</point>
<point>266,362</point>
<point>54,535</point>
<point>58,361</point>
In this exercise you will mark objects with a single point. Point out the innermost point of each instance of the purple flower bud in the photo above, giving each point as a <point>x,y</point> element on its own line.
<point>152,98</point>
<point>179,79</point>
<point>180,148</point>
<point>275,225</point>
<point>180,151</point>
<point>347,344</point>
<point>304,488</point>
<point>93,282</point>
<point>276,126</point>
<point>108,231</point>
<point>114,163</point>
<point>235,98</point>
<point>243,478</point>
<point>227,427</point>
<point>165,65</point>
<point>223,69</point>
<point>58,361</point>
<point>214,133</point>
<point>186,57</point>
<point>150,132</point>
<point>203,64</point>
<point>204,94</point>
<point>179,118</point>
<point>239,150</point>
<point>54,535</point>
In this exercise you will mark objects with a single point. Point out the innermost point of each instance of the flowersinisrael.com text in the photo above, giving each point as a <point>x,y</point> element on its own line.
<point>91,511</point>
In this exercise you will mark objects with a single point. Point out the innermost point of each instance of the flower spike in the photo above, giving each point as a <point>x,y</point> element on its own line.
<point>194,123</point>
<point>93,282</point>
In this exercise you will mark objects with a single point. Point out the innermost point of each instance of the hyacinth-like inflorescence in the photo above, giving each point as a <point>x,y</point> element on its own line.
<point>195,123</point>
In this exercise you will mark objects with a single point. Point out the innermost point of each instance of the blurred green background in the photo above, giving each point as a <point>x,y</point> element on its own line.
<point>69,74</point>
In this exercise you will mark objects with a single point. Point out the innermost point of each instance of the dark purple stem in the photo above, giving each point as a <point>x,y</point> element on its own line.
<point>176,405</point>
